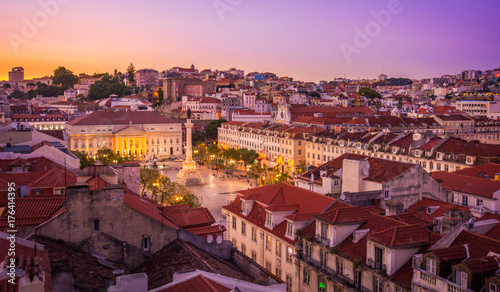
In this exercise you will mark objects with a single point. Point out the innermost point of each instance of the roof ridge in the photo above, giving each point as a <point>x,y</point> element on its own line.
<point>197,255</point>
<point>207,282</point>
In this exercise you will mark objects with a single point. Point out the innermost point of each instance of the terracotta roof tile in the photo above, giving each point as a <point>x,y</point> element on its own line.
<point>479,245</point>
<point>33,211</point>
<point>401,236</point>
<point>189,218</point>
<point>199,284</point>
<point>467,184</point>
<point>452,253</point>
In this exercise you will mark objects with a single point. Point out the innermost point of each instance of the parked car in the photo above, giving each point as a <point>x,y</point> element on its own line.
<point>172,158</point>
<point>178,160</point>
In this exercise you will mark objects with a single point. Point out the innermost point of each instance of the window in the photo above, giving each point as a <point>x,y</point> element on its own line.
<point>289,281</point>
<point>446,167</point>
<point>479,202</point>
<point>254,256</point>
<point>268,266</point>
<point>387,194</point>
<point>268,242</point>
<point>95,227</point>
<point>300,152</point>
<point>278,272</point>
<point>378,257</point>
<point>493,288</point>
<point>340,266</point>
<point>438,166</point>
<point>234,242</point>
<point>145,243</point>
<point>269,218</point>
<point>461,278</point>
<point>289,228</point>
<point>254,234</point>
<point>289,253</point>
<point>243,228</point>
<point>278,248</point>
<point>324,230</point>
<point>234,222</point>
<point>321,284</point>
<point>430,266</point>
<point>465,201</point>
<point>307,276</point>
<point>377,284</point>
<point>243,248</point>
<point>424,164</point>
<point>336,183</point>
<point>308,250</point>
<point>322,257</point>
<point>357,278</point>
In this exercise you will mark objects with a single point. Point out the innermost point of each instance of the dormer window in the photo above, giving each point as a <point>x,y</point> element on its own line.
<point>269,218</point>
<point>387,194</point>
<point>243,207</point>
<point>289,228</point>
<point>439,156</point>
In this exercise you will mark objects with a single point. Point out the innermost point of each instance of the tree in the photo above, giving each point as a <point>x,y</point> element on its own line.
<point>106,86</point>
<point>84,159</point>
<point>149,179</point>
<point>160,96</point>
<point>16,94</point>
<point>198,137</point>
<point>212,128</point>
<point>64,77</point>
<point>107,156</point>
<point>315,94</point>
<point>369,93</point>
<point>31,84</point>
<point>6,85</point>
<point>131,72</point>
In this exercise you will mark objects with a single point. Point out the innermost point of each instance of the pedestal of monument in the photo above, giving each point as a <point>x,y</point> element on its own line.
<point>189,175</point>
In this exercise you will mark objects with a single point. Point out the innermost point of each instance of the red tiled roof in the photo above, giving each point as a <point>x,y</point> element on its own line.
<point>487,170</point>
<point>121,118</point>
<point>54,178</point>
<point>189,218</point>
<point>96,183</point>
<point>411,219</point>
<point>33,211</point>
<point>345,215</point>
<point>452,253</point>
<point>402,236</point>
<point>199,284</point>
<point>479,245</point>
<point>382,170</point>
<point>482,265</point>
<point>213,229</point>
<point>419,209</point>
<point>146,207</point>
<point>467,184</point>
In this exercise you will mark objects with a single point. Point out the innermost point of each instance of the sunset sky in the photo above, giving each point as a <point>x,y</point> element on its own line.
<point>300,39</point>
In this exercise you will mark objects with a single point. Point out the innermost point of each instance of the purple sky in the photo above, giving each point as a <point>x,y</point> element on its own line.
<point>301,39</point>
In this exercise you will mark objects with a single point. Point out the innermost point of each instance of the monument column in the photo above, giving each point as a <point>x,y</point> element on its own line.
<point>189,147</point>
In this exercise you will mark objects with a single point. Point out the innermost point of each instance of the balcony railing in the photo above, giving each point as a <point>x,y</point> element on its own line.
<point>323,240</point>
<point>324,269</point>
<point>434,282</point>
<point>376,265</point>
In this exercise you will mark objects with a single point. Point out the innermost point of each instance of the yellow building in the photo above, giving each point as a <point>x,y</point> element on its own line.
<point>136,133</point>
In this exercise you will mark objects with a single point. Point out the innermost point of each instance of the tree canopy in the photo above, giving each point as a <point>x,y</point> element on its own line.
<point>64,77</point>
<point>212,128</point>
<point>6,85</point>
<point>369,93</point>
<point>106,86</point>
<point>131,72</point>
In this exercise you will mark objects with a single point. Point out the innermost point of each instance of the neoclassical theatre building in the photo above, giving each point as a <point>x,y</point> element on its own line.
<point>128,133</point>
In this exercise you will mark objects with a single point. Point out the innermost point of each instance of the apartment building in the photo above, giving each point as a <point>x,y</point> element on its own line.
<point>278,143</point>
<point>263,223</point>
<point>147,77</point>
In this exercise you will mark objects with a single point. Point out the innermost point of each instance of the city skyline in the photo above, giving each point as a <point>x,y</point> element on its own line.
<point>306,41</point>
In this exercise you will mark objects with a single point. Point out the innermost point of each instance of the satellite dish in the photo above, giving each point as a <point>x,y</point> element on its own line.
<point>342,197</point>
<point>365,171</point>
<point>219,239</point>
<point>137,180</point>
<point>210,239</point>
<point>133,172</point>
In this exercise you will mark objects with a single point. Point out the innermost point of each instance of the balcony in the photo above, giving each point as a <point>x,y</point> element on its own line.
<point>376,265</point>
<point>323,240</point>
<point>433,282</point>
<point>324,269</point>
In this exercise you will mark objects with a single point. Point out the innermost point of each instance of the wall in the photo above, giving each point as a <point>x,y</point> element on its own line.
<point>117,221</point>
